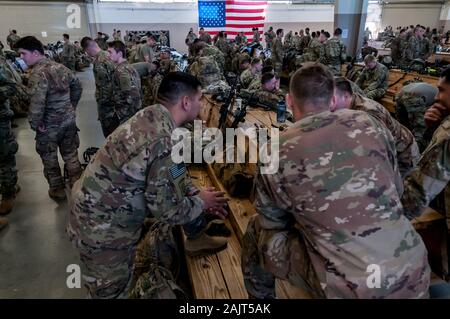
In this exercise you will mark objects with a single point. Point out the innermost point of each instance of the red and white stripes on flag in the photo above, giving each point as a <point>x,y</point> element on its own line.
<point>242,16</point>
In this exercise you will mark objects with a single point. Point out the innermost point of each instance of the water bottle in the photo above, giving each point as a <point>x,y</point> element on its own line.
<point>281,111</point>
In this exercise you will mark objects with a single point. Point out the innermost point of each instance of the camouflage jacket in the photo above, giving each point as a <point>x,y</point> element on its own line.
<point>205,37</point>
<point>408,154</point>
<point>103,69</point>
<point>256,37</point>
<point>12,40</point>
<point>377,78</point>
<point>255,84</point>
<point>223,46</point>
<point>431,175</point>
<point>316,51</point>
<point>335,52</point>
<point>398,46</point>
<point>269,36</point>
<point>418,49</point>
<point>277,50</point>
<point>247,77</point>
<point>338,184</point>
<point>54,93</point>
<point>68,52</point>
<point>163,40</point>
<point>131,177</point>
<point>265,98</point>
<point>213,51</point>
<point>7,87</point>
<point>126,91</point>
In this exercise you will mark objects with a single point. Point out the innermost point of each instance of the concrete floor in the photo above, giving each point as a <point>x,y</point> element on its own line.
<point>34,249</point>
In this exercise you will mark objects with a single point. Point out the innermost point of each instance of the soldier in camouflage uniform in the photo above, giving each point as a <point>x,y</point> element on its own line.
<point>224,47</point>
<point>203,49</point>
<point>269,36</point>
<point>204,36</point>
<point>256,36</point>
<point>54,94</point>
<point>374,79</point>
<point>127,97</point>
<point>206,69</point>
<point>315,52</point>
<point>335,53</point>
<point>68,53</point>
<point>405,144</point>
<point>8,144</point>
<point>278,52</point>
<point>398,47</point>
<point>101,40</point>
<point>163,39</point>
<point>248,75</point>
<point>12,39</point>
<point>133,177</point>
<point>432,174</point>
<point>103,69</point>
<point>329,211</point>
<point>269,93</point>
<point>412,102</point>
<point>419,47</point>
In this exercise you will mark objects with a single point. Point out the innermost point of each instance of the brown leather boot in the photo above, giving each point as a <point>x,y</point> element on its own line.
<point>3,223</point>
<point>57,193</point>
<point>6,205</point>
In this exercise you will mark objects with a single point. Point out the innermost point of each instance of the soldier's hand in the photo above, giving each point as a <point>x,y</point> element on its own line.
<point>212,199</point>
<point>220,212</point>
<point>435,114</point>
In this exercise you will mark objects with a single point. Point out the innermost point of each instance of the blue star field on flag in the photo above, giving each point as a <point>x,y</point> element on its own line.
<point>211,14</point>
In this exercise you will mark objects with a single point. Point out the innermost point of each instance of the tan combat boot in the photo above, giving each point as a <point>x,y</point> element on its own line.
<point>3,223</point>
<point>57,193</point>
<point>7,203</point>
<point>205,245</point>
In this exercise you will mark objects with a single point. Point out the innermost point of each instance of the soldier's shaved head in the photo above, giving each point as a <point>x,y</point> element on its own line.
<point>312,84</point>
<point>176,85</point>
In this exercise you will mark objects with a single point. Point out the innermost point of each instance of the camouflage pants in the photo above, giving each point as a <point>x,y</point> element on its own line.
<point>106,272</point>
<point>109,125</point>
<point>270,254</point>
<point>8,150</point>
<point>64,137</point>
<point>69,63</point>
<point>376,94</point>
<point>410,111</point>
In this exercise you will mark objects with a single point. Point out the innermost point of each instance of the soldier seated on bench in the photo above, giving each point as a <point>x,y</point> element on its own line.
<point>332,211</point>
<point>374,79</point>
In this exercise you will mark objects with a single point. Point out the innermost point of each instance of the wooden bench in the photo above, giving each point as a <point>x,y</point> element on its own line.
<point>219,276</point>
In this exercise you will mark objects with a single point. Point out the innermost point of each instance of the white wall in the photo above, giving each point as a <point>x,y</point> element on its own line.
<point>31,18</point>
<point>396,15</point>
<point>179,17</point>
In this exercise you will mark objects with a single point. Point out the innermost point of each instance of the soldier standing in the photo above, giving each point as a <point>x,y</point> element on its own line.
<point>374,79</point>
<point>407,150</point>
<point>163,39</point>
<point>256,36</point>
<point>146,49</point>
<point>335,53</point>
<point>133,177</point>
<point>278,52</point>
<point>101,40</point>
<point>204,36</point>
<point>8,144</point>
<point>103,68</point>
<point>398,46</point>
<point>411,104</point>
<point>269,37</point>
<point>54,94</point>
<point>68,53</point>
<point>12,39</point>
<point>316,209</point>
<point>126,83</point>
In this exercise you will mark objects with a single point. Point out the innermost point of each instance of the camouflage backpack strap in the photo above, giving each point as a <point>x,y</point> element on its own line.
<point>157,265</point>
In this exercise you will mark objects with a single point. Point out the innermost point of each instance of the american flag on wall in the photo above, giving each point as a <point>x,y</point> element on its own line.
<point>232,16</point>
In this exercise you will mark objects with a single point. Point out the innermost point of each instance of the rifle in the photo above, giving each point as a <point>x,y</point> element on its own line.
<point>224,109</point>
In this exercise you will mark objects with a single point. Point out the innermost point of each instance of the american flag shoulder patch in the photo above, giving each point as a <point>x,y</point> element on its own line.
<point>177,170</point>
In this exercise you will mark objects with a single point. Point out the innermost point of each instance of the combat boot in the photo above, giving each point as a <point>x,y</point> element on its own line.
<point>7,203</point>
<point>57,194</point>
<point>217,227</point>
<point>204,245</point>
<point>3,223</point>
